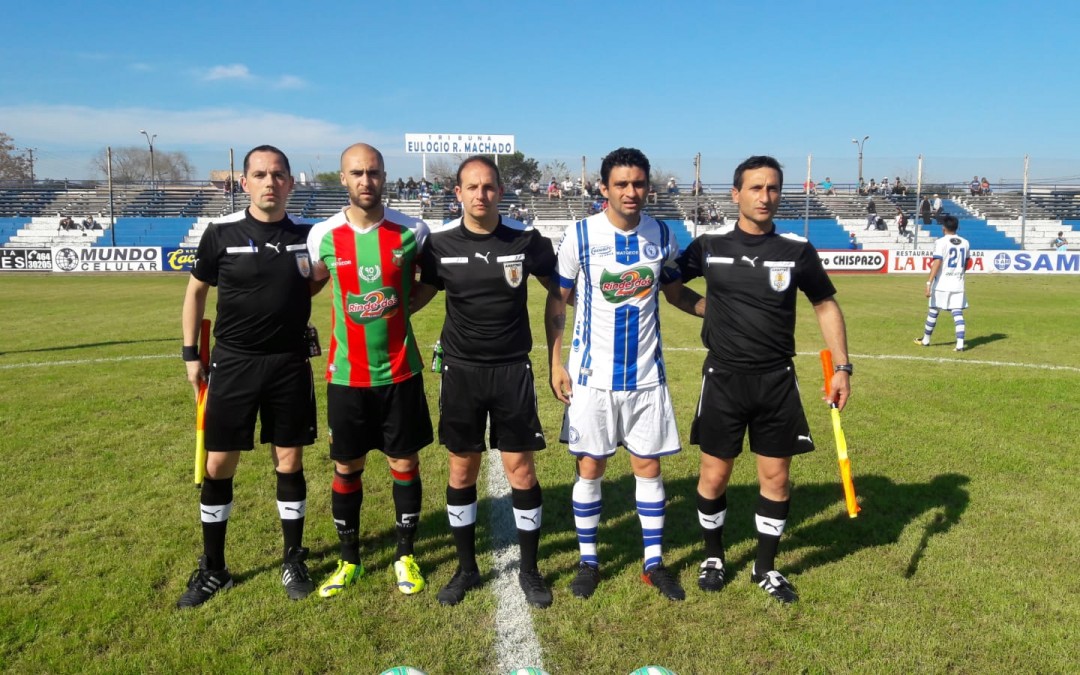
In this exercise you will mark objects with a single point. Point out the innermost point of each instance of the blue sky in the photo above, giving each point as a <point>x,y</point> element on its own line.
<point>971,86</point>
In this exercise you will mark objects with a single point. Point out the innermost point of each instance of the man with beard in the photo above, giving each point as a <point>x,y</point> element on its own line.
<point>375,392</point>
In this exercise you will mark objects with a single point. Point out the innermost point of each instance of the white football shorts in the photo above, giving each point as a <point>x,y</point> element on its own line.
<point>948,300</point>
<point>643,421</point>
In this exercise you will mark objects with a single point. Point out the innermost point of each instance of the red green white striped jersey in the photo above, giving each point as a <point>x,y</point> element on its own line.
<point>372,273</point>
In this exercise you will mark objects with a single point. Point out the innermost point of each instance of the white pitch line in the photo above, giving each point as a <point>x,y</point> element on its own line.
<point>516,644</point>
<point>870,357</point>
<point>80,362</point>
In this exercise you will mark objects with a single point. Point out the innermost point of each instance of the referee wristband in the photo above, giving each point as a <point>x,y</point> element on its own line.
<point>189,353</point>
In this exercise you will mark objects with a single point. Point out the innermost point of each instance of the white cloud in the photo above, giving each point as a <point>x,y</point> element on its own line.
<point>290,82</point>
<point>67,136</point>
<point>235,71</point>
<point>140,67</point>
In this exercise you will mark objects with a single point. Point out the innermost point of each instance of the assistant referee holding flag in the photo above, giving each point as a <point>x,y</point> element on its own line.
<point>258,260</point>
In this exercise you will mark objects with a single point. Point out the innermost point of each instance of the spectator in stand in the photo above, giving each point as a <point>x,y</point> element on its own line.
<point>925,210</point>
<point>826,186</point>
<point>453,209</point>
<point>553,191</point>
<point>862,188</point>
<point>871,211</point>
<point>899,188</point>
<point>90,224</point>
<point>853,243</point>
<point>984,186</point>
<point>714,217</point>
<point>66,223</point>
<point>696,189</point>
<point>809,186</point>
<point>901,223</point>
<point>672,186</point>
<point>939,208</point>
<point>534,187</point>
<point>597,205</point>
<point>1060,243</point>
<point>399,189</point>
<point>568,187</point>
<point>873,189</point>
<point>884,186</point>
<point>410,189</point>
<point>974,185</point>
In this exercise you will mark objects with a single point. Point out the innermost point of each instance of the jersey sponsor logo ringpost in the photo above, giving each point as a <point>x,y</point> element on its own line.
<point>619,287</point>
<point>372,306</point>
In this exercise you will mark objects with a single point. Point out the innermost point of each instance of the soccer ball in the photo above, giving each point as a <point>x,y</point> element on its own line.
<point>402,670</point>
<point>528,671</point>
<point>652,670</point>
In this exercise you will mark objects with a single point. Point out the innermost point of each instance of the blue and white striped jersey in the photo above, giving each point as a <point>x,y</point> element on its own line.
<point>616,344</point>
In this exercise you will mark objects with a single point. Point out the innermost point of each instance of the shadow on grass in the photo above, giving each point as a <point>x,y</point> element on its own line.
<point>87,345</point>
<point>888,508</point>
<point>980,340</point>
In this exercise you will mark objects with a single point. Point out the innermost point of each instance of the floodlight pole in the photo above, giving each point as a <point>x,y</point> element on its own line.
<point>859,144</point>
<point>150,141</point>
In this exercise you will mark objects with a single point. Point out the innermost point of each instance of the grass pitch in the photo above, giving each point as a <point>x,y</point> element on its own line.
<point>963,558</point>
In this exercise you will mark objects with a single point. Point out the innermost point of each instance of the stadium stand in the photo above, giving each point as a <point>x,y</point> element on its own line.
<point>171,215</point>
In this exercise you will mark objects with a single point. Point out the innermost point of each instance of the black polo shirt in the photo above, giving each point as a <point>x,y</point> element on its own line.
<point>485,278</point>
<point>751,283</point>
<point>261,271</point>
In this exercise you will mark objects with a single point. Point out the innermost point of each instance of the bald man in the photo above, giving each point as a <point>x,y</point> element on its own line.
<point>375,391</point>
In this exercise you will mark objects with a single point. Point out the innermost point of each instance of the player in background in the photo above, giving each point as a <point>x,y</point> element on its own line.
<point>945,287</point>
<point>483,262</point>
<point>752,279</point>
<point>375,392</point>
<point>616,387</point>
<point>258,260</point>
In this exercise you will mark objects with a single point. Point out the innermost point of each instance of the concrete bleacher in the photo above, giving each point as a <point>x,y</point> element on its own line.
<point>44,231</point>
<point>148,231</point>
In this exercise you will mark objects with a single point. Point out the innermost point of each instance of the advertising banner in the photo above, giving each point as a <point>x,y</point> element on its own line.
<point>106,259</point>
<point>855,261</point>
<point>178,259</point>
<point>25,260</point>
<point>992,262</point>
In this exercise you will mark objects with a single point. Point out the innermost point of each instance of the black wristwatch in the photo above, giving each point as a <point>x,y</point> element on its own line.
<point>845,368</point>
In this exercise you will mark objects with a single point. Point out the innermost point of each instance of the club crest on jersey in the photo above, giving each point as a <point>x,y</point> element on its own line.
<point>398,257</point>
<point>650,250</point>
<point>382,303</point>
<point>303,264</point>
<point>779,278</point>
<point>369,273</point>
<point>514,273</point>
<point>619,287</point>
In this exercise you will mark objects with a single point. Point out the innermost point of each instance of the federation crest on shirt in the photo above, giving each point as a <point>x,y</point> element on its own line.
<point>514,273</point>
<point>303,264</point>
<point>779,278</point>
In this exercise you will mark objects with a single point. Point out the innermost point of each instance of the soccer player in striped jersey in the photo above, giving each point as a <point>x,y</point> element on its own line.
<point>945,287</point>
<point>615,262</point>
<point>375,392</point>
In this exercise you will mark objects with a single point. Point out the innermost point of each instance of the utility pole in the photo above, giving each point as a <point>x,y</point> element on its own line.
<point>30,154</point>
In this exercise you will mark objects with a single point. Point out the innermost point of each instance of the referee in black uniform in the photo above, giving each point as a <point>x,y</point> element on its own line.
<point>752,278</point>
<point>483,262</point>
<point>258,260</point>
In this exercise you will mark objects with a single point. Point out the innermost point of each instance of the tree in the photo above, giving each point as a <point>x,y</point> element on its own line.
<point>131,164</point>
<point>556,169</point>
<point>328,178</point>
<point>13,165</point>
